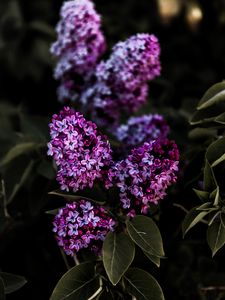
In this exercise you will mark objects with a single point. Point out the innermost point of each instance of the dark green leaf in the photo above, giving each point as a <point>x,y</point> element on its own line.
<point>216,234</point>
<point>203,195</point>
<point>193,217</point>
<point>146,235</point>
<point>209,178</point>
<point>12,282</point>
<point>215,153</point>
<point>205,206</point>
<point>215,195</point>
<point>215,94</point>
<point>221,119</point>
<point>118,254</point>
<point>79,283</point>
<point>142,285</point>
<point>22,181</point>
<point>153,258</point>
<point>18,150</point>
<point>201,133</point>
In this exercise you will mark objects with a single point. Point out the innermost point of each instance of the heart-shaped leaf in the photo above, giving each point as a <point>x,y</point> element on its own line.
<point>144,232</point>
<point>79,283</point>
<point>142,285</point>
<point>118,254</point>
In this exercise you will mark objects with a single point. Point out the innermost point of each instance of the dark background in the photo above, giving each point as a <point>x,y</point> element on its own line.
<point>193,58</point>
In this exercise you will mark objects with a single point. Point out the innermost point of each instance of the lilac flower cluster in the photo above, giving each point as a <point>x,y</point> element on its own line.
<point>80,152</point>
<point>144,176</point>
<point>79,46</point>
<point>80,225</point>
<point>121,81</point>
<point>142,129</point>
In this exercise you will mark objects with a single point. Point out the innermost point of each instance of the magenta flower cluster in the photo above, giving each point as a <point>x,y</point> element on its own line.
<point>79,45</point>
<point>80,225</point>
<point>80,152</point>
<point>121,81</point>
<point>144,176</point>
<point>139,130</point>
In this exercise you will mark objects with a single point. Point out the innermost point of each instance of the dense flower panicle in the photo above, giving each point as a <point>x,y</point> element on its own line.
<point>80,41</point>
<point>139,130</point>
<point>121,81</point>
<point>82,225</point>
<point>144,176</point>
<point>80,152</point>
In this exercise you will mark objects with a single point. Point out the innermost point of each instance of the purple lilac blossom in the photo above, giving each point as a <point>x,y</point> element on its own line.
<point>82,225</point>
<point>142,129</point>
<point>143,177</point>
<point>79,45</point>
<point>121,81</point>
<point>81,154</point>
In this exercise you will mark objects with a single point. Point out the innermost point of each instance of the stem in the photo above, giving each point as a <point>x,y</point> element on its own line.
<point>64,259</point>
<point>4,199</point>
<point>76,260</point>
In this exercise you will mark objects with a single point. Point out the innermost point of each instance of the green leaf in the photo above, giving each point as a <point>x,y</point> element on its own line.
<point>220,119</point>
<point>142,285</point>
<point>216,234</point>
<point>22,181</point>
<point>2,289</point>
<point>193,217</point>
<point>153,258</point>
<point>202,133</point>
<point>215,153</point>
<point>209,178</point>
<point>205,206</point>
<point>215,195</point>
<point>19,149</point>
<point>12,282</point>
<point>202,195</point>
<point>79,283</point>
<point>118,254</point>
<point>144,232</point>
<point>215,94</point>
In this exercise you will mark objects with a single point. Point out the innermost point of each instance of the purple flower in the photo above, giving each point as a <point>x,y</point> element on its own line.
<point>87,230</point>
<point>82,155</point>
<point>147,172</point>
<point>121,81</point>
<point>139,130</point>
<point>79,45</point>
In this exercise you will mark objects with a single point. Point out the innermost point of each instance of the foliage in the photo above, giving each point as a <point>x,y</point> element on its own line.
<point>209,115</point>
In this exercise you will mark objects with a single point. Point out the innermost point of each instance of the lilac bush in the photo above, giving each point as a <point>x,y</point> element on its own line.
<point>80,152</point>
<point>80,225</point>
<point>131,168</point>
